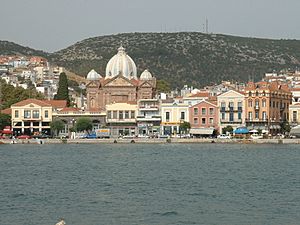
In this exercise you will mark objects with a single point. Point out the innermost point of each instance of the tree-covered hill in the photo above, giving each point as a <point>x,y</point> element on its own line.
<point>11,48</point>
<point>184,58</point>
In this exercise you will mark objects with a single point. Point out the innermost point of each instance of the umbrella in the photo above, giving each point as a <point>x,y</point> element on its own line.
<point>253,131</point>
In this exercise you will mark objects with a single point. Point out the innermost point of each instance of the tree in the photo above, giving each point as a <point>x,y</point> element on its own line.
<point>63,91</point>
<point>84,124</point>
<point>226,129</point>
<point>184,127</point>
<point>5,120</point>
<point>56,126</point>
<point>163,86</point>
<point>285,127</point>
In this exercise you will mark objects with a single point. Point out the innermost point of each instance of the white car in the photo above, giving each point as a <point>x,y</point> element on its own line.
<point>223,136</point>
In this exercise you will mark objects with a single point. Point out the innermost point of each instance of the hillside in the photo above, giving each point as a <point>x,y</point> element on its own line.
<point>184,58</point>
<point>11,48</point>
<point>193,58</point>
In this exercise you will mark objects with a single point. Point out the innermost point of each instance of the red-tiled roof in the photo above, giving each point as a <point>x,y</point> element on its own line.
<point>32,101</point>
<point>200,94</point>
<point>57,103</point>
<point>6,111</point>
<point>69,109</point>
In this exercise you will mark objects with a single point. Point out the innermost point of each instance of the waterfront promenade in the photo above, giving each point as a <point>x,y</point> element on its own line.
<point>152,141</point>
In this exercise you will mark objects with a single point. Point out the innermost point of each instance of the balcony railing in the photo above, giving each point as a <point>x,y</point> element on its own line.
<point>231,109</point>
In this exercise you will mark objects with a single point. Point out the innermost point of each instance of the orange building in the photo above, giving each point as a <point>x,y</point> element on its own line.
<point>267,105</point>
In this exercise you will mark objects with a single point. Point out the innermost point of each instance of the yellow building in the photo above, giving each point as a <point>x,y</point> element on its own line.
<point>173,114</point>
<point>121,118</point>
<point>33,116</point>
<point>232,109</point>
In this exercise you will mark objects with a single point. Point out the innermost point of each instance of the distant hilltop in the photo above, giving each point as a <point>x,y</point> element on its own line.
<point>191,58</point>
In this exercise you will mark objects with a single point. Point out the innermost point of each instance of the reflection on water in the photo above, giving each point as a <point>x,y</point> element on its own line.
<point>150,184</point>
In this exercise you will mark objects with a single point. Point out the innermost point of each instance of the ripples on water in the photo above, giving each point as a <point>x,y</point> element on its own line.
<point>150,184</point>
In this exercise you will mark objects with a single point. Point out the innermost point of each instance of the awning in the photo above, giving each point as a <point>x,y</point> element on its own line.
<point>241,130</point>
<point>203,131</point>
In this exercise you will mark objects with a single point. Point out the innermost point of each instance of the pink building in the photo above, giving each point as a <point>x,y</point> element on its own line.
<point>204,118</point>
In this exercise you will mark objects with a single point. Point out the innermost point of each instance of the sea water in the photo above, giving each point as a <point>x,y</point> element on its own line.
<point>127,184</point>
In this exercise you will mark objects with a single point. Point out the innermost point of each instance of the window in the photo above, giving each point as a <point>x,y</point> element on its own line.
<point>203,111</point>
<point>195,120</point>
<point>256,115</point>
<point>256,103</point>
<point>126,114</point>
<point>264,115</point>
<point>211,111</point>
<point>294,116</point>
<point>182,115</point>
<point>250,103</point>
<point>196,111</point>
<point>46,114</point>
<point>121,115</point>
<point>35,114</point>
<point>108,114</point>
<point>223,116</point>
<point>231,105</point>
<point>239,115</point>
<point>250,115</point>
<point>231,116</point>
<point>167,116</point>
<point>132,114</point>
<point>211,120</point>
<point>16,113</point>
<point>115,114</point>
<point>203,121</point>
<point>240,106</point>
<point>27,114</point>
<point>264,103</point>
<point>223,105</point>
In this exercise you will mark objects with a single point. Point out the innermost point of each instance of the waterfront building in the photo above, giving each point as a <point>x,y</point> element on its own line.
<point>267,105</point>
<point>193,99</point>
<point>69,117</point>
<point>120,84</point>
<point>148,117</point>
<point>34,116</point>
<point>232,109</point>
<point>204,118</point>
<point>294,111</point>
<point>121,118</point>
<point>173,114</point>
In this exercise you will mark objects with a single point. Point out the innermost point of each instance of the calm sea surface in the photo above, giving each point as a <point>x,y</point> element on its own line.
<point>129,184</point>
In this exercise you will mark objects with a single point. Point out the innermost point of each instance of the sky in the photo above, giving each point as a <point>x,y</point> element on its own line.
<point>51,25</point>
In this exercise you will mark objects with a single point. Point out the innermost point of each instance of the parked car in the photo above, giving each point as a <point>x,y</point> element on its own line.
<point>90,136</point>
<point>223,136</point>
<point>24,136</point>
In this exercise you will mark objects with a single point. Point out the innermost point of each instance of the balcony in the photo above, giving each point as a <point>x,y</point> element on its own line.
<point>231,109</point>
<point>121,120</point>
<point>148,118</point>
<point>148,108</point>
<point>256,107</point>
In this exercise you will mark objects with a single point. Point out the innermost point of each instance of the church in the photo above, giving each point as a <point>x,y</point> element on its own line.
<point>120,84</point>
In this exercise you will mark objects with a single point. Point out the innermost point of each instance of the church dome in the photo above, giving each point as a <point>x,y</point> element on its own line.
<point>146,75</point>
<point>93,75</point>
<point>121,63</point>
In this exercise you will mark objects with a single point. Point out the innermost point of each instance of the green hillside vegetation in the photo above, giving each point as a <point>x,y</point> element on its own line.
<point>11,48</point>
<point>191,58</point>
<point>11,95</point>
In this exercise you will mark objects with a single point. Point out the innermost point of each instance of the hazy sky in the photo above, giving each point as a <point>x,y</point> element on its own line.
<point>54,24</point>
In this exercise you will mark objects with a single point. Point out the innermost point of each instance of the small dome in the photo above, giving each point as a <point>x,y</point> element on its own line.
<point>93,75</point>
<point>121,63</point>
<point>146,75</point>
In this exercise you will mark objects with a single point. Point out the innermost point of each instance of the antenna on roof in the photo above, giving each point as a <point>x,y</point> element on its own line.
<point>206,23</point>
